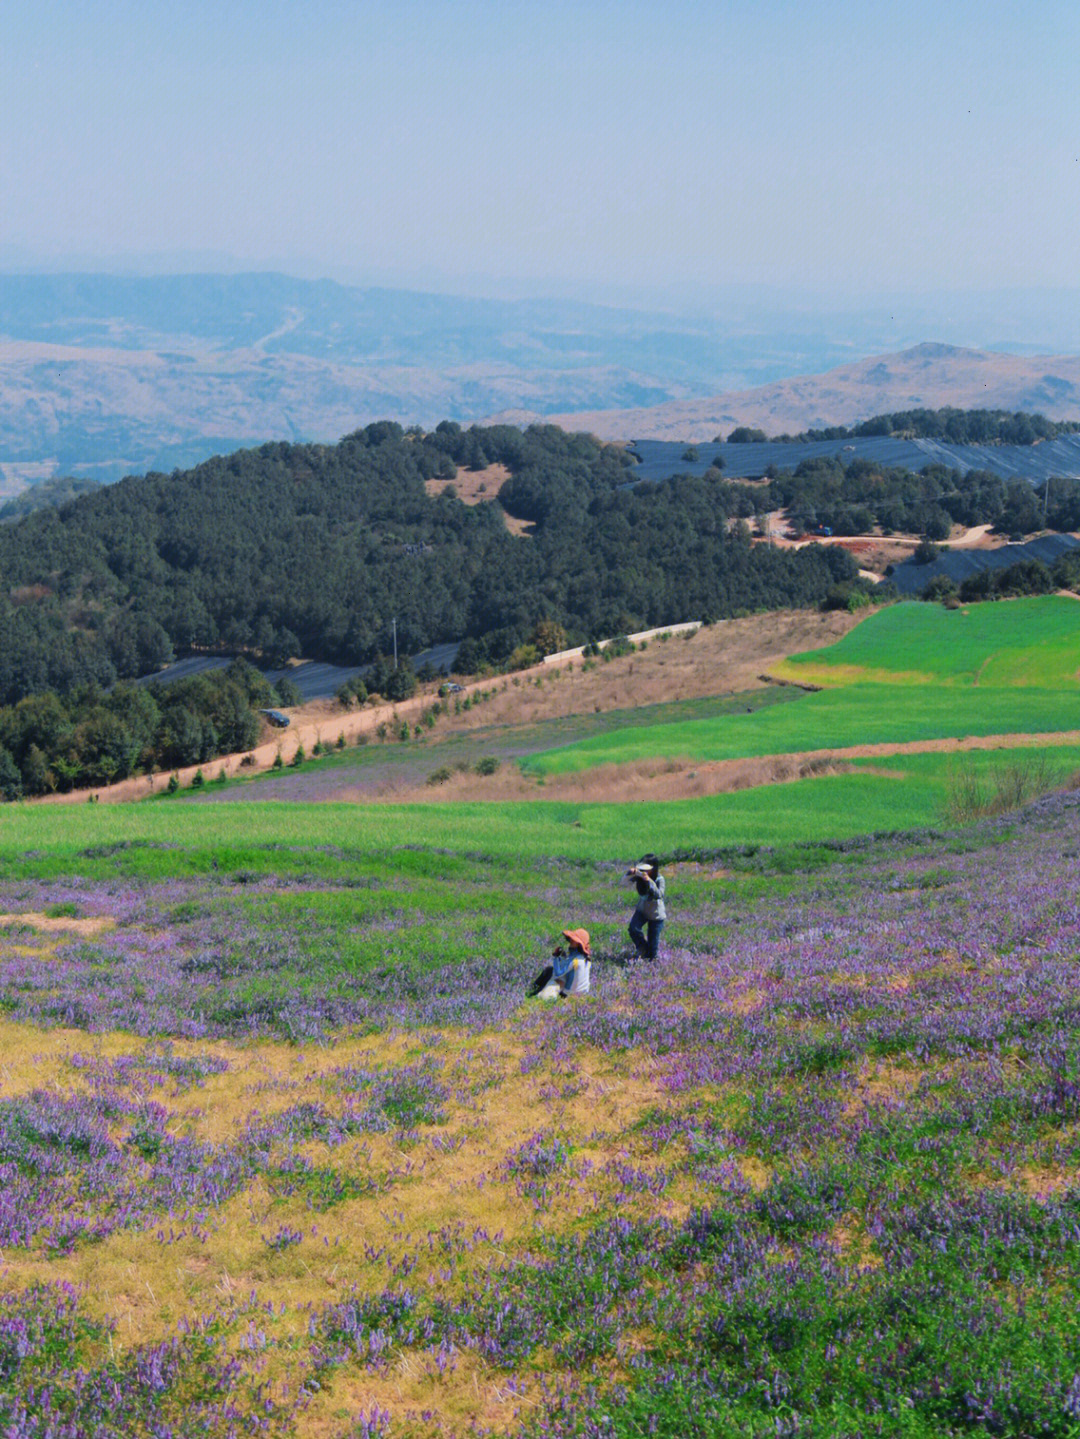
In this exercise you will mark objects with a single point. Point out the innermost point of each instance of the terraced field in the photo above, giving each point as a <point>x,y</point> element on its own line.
<point>909,673</point>
<point>1029,643</point>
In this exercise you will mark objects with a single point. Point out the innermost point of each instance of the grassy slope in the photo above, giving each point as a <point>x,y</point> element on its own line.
<point>820,1089</point>
<point>910,672</point>
<point>1025,642</point>
<point>415,842</point>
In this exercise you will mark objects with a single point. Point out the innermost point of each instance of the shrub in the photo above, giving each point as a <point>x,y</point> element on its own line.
<point>298,758</point>
<point>523,657</point>
<point>974,793</point>
<point>620,645</point>
<point>439,776</point>
<point>488,765</point>
<point>941,587</point>
<point>288,694</point>
<point>173,785</point>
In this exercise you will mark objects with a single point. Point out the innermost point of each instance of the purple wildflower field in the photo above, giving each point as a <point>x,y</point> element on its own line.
<point>815,1172</point>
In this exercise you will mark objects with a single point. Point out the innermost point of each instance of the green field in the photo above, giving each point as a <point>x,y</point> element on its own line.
<point>907,673</point>
<point>856,715</point>
<point>436,841</point>
<point>1028,642</point>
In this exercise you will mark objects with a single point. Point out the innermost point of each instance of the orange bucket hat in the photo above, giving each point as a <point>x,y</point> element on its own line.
<point>580,937</point>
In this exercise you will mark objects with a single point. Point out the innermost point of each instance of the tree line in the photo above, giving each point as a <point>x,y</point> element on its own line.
<point>856,498</point>
<point>89,736</point>
<point>952,426</point>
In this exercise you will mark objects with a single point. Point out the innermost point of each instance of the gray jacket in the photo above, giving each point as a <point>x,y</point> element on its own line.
<point>650,905</point>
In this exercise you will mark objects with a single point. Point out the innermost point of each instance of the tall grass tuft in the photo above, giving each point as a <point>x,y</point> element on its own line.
<point>976,792</point>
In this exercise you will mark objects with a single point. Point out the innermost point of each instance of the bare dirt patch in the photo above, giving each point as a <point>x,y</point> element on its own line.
<point>480,487</point>
<point>875,552</point>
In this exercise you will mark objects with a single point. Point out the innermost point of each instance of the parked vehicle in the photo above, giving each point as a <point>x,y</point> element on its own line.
<point>276,718</point>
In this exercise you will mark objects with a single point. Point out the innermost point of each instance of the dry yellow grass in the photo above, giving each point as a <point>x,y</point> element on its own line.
<point>150,1286</point>
<point>58,924</point>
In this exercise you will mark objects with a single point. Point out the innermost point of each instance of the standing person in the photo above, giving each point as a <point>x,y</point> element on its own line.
<point>650,912</point>
<point>569,969</point>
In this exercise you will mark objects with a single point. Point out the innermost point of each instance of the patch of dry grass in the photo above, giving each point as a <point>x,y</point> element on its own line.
<point>447,1178</point>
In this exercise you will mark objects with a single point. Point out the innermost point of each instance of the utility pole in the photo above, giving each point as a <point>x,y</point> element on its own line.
<point>394,623</point>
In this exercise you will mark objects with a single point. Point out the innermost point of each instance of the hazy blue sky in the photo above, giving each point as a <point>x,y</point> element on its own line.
<point>638,145</point>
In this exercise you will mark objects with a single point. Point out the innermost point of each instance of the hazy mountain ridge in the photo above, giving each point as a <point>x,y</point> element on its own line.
<point>103,413</point>
<point>925,376</point>
<point>102,376</point>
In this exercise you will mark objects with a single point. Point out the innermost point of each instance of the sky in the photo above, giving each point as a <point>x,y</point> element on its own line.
<point>634,149</point>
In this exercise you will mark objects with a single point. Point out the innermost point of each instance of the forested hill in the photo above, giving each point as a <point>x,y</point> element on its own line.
<point>314,549</point>
<point>955,427</point>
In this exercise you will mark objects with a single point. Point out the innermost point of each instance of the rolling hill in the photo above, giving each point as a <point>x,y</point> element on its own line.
<point>927,375</point>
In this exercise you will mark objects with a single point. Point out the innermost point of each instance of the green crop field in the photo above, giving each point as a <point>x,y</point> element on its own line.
<point>907,673</point>
<point>442,842</point>
<point>855,715</point>
<point>1022,642</point>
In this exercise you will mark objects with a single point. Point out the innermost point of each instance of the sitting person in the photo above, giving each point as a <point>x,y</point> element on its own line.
<point>569,970</point>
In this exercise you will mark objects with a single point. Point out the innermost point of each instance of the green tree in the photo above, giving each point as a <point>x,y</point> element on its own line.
<point>11,785</point>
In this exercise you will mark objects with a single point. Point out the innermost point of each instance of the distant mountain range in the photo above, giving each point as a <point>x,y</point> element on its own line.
<point>102,376</point>
<point>926,376</point>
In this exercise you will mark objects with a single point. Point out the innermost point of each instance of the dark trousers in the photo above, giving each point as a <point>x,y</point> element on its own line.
<point>543,978</point>
<point>646,935</point>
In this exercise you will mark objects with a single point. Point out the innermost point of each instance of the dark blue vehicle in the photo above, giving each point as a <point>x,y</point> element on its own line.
<point>276,718</point>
